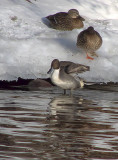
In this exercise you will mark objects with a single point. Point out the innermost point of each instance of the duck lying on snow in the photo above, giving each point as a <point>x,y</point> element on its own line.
<point>66,20</point>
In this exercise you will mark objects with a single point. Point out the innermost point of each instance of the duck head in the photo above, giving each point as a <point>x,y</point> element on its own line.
<point>90,30</point>
<point>73,13</point>
<point>54,65</point>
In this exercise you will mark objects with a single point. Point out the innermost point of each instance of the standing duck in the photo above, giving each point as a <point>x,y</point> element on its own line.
<point>89,40</point>
<point>63,74</point>
<point>66,21</point>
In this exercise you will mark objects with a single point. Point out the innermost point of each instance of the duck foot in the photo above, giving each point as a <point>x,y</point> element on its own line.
<point>88,57</point>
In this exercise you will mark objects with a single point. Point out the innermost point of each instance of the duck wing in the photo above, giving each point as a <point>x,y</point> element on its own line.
<point>56,18</point>
<point>71,67</point>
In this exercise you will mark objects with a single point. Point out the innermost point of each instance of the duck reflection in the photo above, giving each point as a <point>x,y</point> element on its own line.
<point>69,112</point>
<point>66,105</point>
<point>73,125</point>
<point>67,121</point>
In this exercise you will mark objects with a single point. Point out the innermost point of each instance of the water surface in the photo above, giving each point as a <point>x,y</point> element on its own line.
<point>45,124</point>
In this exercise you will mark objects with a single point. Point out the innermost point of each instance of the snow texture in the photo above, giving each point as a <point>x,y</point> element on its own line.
<point>27,45</point>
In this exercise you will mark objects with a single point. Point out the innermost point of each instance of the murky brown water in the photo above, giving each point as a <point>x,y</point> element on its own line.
<point>46,125</point>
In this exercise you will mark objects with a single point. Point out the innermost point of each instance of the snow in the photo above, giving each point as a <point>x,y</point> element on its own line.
<point>27,45</point>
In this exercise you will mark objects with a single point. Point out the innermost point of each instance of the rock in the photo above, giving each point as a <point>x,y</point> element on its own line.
<point>39,83</point>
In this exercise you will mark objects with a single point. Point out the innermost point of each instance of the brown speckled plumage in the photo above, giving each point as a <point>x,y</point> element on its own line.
<point>89,40</point>
<point>66,20</point>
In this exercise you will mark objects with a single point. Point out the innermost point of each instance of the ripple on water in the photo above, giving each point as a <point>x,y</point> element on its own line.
<point>48,125</point>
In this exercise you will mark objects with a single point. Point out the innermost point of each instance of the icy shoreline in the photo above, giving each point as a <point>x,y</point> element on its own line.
<point>26,85</point>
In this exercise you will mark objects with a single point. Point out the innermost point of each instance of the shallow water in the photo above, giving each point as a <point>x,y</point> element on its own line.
<point>41,125</point>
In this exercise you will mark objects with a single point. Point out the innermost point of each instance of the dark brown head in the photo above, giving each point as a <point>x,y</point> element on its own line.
<point>73,13</point>
<point>54,65</point>
<point>90,29</point>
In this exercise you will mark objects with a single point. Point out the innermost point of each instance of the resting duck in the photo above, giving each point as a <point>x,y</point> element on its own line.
<point>66,20</point>
<point>89,40</point>
<point>63,74</point>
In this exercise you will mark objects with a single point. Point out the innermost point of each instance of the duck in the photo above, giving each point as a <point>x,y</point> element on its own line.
<point>66,21</point>
<point>89,40</point>
<point>64,74</point>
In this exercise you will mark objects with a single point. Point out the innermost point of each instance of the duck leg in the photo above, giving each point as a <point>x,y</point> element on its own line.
<point>71,92</point>
<point>64,91</point>
<point>88,57</point>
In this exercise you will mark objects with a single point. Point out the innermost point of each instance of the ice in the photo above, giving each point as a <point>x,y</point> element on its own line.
<point>28,45</point>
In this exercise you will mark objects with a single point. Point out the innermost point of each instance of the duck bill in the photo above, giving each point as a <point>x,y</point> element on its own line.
<point>81,18</point>
<point>50,71</point>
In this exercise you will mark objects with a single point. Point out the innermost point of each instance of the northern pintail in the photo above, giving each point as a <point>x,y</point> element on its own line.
<point>89,40</point>
<point>63,74</point>
<point>66,20</point>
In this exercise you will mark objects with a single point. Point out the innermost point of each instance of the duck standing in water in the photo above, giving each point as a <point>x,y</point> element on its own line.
<point>89,40</point>
<point>66,21</point>
<point>63,74</point>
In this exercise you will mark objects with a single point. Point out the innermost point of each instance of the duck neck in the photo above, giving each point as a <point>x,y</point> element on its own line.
<point>55,74</point>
